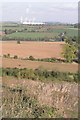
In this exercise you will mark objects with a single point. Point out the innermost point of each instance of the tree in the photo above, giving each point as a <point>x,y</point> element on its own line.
<point>69,52</point>
<point>5,31</point>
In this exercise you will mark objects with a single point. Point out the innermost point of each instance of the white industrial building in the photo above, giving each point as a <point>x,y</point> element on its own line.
<point>33,23</point>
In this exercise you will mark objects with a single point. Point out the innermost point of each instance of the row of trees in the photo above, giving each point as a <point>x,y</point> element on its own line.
<point>7,38</point>
<point>10,31</point>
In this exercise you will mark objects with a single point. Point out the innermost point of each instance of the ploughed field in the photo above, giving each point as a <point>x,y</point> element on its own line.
<point>35,49</point>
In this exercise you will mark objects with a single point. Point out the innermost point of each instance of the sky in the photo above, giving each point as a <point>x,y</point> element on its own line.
<point>65,11</point>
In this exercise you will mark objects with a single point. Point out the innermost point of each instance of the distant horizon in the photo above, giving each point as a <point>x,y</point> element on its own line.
<point>55,22</point>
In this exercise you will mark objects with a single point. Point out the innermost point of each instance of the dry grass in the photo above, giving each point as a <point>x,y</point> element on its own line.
<point>62,96</point>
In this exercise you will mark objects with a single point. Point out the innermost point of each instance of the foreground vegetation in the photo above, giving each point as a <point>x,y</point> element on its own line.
<point>25,106</point>
<point>31,99</point>
<point>19,104</point>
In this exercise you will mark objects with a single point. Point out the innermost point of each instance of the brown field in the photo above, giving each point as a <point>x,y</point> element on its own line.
<point>64,67</point>
<point>36,49</point>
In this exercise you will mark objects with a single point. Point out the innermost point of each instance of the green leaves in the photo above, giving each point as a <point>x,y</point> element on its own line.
<point>69,52</point>
<point>40,74</point>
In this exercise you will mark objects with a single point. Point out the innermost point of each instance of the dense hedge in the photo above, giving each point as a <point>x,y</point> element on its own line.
<point>40,74</point>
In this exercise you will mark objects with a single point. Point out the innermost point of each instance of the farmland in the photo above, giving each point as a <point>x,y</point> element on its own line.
<point>36,49</point>
<point>64,67</point>
<point>37,33</point>
<point>35,82</point>
<point>44,50</point>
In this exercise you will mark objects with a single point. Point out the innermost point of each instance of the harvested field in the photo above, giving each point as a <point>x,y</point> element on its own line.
<point>36,49</point>
<point>64,67</point>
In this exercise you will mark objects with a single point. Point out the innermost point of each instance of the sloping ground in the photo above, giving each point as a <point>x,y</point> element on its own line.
<point>0,97</point>
<point>63,95</point>
<point>64,67</point>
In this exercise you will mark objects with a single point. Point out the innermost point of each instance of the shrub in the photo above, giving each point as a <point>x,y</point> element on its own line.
<point>31,58</point>
<point>15,57</point>
<point>5,56</point>
<point>8,55</point>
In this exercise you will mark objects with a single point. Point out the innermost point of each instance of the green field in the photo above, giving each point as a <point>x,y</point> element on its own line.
<point>71,32</point>
<point>45,32</point>
<point>32,35</point>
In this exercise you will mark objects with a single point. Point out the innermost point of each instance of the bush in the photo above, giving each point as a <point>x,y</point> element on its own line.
<point>15,57</point>
<point>31,58</point>
<point>7,56</point>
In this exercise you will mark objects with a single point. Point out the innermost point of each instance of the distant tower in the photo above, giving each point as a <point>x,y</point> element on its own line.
<point>33,19</point>
<point>21,20</point>
<point>26,19</point>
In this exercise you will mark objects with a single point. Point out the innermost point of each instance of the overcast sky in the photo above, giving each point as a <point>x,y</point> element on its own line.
<point>40,10</point>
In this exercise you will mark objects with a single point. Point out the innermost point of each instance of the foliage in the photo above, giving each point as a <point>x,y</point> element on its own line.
<point>0,72</point>
<point>69,52</point>
<point>40,74</point>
